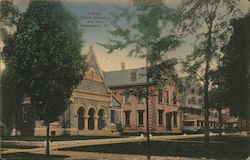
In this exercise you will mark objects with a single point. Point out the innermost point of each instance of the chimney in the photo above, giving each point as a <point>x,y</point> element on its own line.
<point>122,65</point>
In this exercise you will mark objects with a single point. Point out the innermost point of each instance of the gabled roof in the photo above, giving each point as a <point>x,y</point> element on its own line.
<point>93,85</point>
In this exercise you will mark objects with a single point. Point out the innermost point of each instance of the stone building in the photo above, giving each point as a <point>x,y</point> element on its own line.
<point>164,110</point>
<point>93,110</point>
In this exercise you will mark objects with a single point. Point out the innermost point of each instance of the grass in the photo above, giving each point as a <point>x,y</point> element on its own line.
<point>231,148</point>
<point>30,156</point>
<point>3,145</point>
<point>55,138</point>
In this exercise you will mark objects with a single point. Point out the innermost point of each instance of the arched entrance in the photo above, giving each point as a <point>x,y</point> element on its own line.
<point>101,121</point>
<point>91,114</point>
<point>80,113</point>
<point>169,121</point>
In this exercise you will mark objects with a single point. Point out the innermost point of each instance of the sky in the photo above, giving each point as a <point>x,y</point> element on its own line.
<point>84,9</point>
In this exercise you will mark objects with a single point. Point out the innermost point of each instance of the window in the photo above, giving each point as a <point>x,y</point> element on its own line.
<point>160,96</point>
<point>160,117</point>
<point>198,123</point>
<point>127,99</point>
<point>140,99</point>
<point>25,117</point>
<point>25,114</point>
<point>189,101</point>
<point>167,96</point>
<point>193,100</point>
<point>174,98</point>
<point>133,76</point>
<point>127,118</point>
<point>25,108</point>
<point>112,112</point>
<point>192,91</point>
<point>140,117</point>
<point>175,118</point>
<point>200,101</point>
<point>185,110</point>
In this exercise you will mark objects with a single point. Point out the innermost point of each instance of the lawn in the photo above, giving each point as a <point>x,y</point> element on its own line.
<point>30,156</point>
<point>230,148</point>
<point>55,138</point>
<point>3,145</point>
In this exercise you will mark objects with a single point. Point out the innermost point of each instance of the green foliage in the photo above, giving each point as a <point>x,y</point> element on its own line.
<point>9,15</point>
<point>145,23</point>
<point>45,56</point>
<point>214,19</point>
<point>119,127</point>
<point>211,20</point>
<point>146,29</point>
<point>10,97</point>
<point>232,76</point>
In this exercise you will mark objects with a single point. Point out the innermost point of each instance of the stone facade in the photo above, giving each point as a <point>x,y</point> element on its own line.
<point>89,112</point>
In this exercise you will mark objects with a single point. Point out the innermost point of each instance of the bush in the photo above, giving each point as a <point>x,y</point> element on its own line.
<point>119,127</point>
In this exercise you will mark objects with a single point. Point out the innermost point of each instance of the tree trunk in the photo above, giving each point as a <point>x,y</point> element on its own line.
<point>147,111</point>
<point>207,67</point>
<point>248,128</point>
<point>220,121</point>
<point>206,105</point>
<point>47,140</point>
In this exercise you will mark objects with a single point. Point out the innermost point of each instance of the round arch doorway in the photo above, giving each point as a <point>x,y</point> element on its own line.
<point>91,124</point>
<point>101,121</point>
<point>80,113</point>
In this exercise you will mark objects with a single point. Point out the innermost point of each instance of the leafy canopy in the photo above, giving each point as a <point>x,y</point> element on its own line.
<point>44,53</point>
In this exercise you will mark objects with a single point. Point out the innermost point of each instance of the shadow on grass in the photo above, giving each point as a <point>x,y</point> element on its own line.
<point>3,145</point>
<point>55,138</point>
<point>231,148</point>
<point>30,156</point>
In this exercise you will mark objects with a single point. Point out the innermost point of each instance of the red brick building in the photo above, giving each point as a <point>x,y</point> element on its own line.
<point>164,109</point>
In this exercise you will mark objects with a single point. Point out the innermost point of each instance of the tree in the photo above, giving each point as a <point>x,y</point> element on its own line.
<point>9,15</point>
<point>45,56</point>
<point>10,95</point>
<point>146,35</point>
<point>232,76</point>
<point>211,20</point>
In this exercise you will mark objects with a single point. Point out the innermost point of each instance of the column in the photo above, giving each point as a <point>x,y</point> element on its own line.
<point>96,122</point>
<point>106,122</point>
<point>86,122</point>
<point>172,121</point>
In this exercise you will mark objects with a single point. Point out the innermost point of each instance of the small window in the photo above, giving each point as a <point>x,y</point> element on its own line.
<point>25,117</point>
<point>160,117</point>
<point>198,123</point>
<point>174,98</point>
<point>200,101</point>
<point>25,108</point>
<point>140,99</point>
<point>127,118</point>
<point>160,96</point>
<point>192,91</point>
<point>167,96</point>
<point>175,118</point>
<point>189,101</point>
<point>133,76</point>
<point>112,112</point>
<point>140,117</point>
<point>193,100</point>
